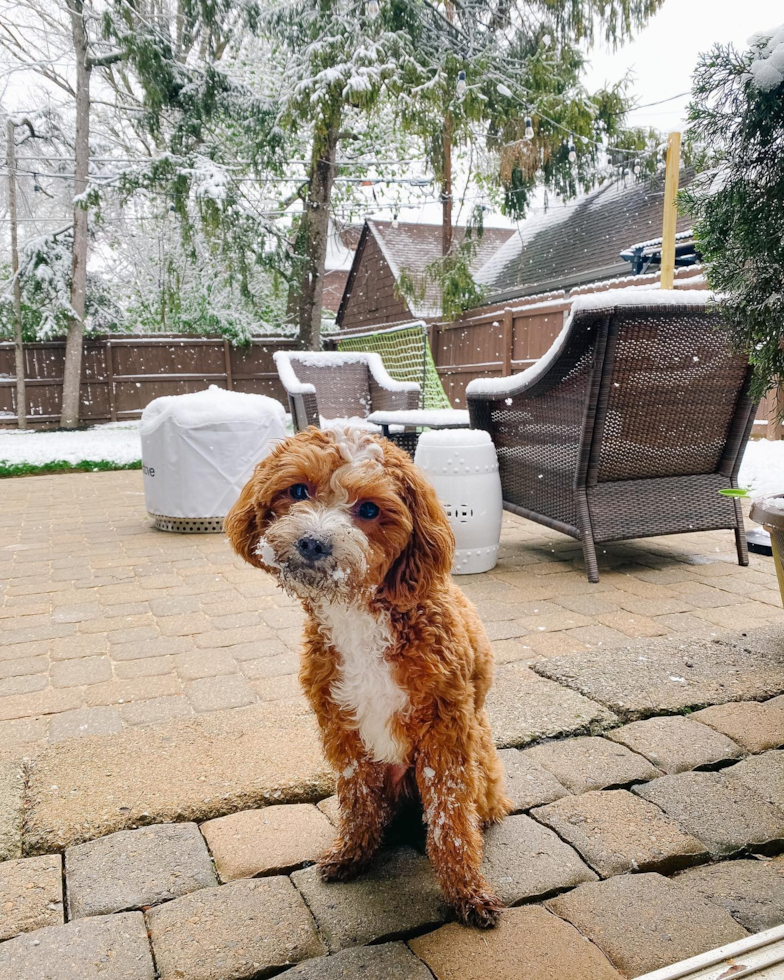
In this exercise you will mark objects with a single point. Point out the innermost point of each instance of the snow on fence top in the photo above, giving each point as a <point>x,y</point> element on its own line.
<point>329,359</point>
<point>612,299</point>
<point>206,407</point>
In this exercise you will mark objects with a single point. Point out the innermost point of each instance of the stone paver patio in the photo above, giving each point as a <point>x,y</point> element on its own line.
<point>159,766</point>
<point>109,624</point>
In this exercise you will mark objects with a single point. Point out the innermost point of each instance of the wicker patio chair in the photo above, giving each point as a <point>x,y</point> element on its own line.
<point>343,385</point>
<point>628,427</point>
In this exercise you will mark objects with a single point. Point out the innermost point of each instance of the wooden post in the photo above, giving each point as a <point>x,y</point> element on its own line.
<point>507,341</point>
<point>670,211</point>
<point>19,358</point>
<point>227,362</point>
<point>108,355</point>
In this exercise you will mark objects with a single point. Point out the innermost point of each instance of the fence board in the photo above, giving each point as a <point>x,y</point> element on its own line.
<point>121,375</point>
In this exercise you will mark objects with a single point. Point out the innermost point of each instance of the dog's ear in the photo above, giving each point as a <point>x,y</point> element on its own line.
<point>427,556</point>
<point>247,519</point>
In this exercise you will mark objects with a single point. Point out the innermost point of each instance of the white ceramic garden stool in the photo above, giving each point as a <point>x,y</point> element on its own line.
<point>463,467</point>
<point>198,452</point>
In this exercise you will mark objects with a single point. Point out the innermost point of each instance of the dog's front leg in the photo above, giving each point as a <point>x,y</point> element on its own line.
<point>445,778</point>
<point>365,812</point>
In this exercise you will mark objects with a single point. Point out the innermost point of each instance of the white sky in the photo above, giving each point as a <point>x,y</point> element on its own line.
<point>663,56</point>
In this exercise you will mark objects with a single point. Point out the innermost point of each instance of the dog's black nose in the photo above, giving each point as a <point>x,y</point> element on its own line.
<point>313,549</point>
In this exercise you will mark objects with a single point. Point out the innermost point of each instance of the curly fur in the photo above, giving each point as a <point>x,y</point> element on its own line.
<point>396,663</point>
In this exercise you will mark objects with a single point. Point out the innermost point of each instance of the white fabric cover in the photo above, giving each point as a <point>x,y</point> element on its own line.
<point>199,450</point>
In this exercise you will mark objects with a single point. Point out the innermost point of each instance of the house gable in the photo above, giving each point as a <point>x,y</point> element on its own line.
<point>370,297</point>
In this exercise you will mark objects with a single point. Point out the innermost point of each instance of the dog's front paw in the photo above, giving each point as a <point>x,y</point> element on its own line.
<point>339,866</point>
<point>479,910</point>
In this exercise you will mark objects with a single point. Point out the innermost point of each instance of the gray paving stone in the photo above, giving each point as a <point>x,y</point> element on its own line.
<point>11,805</point>
<point>133,869</point>
<point>764,776</point>
<point>31,894</point>
<point>528,784</point>
<point>331,809</point>
<point>524,708</point>
<point>529,943</point>
<point>390,961</point>
<point>755,726</point>
<point>644,922</point>
<point>239,931</point>
<point>583,764</point>
<point>190,769</point>
<point>272,840</point>
<point>398,895</point>
<point>525,861</point>
<point>82,722</point>
<point>616,832</point>
<point>751,891</point>
<point>723,813</point>
<point>668,676</point>
<point>105,948</point>
<point>676,744</point>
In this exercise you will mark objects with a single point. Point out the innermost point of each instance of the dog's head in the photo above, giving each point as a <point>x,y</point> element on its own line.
<point>340,514</point>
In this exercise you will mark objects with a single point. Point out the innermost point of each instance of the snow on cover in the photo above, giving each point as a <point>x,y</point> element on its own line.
<point>767,50</point>
<point>210,406</point>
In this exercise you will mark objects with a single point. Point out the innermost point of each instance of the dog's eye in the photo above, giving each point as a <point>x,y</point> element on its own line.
<point>368,510</point>
<point>299,492</point>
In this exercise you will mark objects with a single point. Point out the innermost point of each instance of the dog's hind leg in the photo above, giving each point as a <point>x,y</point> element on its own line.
<point>366,809</point>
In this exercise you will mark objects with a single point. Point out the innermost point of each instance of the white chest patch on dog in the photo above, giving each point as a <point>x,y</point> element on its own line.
<point>365,687</point>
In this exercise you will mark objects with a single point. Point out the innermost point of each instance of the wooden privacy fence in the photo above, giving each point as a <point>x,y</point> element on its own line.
<point>121,375</point>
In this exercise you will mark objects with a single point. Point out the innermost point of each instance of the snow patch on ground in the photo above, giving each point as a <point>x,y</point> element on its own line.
<point>116,442</point>
<point>762,469</point>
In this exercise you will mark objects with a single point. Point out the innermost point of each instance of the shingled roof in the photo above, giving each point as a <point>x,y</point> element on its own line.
<point>577,242</point>
<point>414,246</point>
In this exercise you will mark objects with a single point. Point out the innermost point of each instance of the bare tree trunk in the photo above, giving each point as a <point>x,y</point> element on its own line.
<point>314,232</point>
<point>21,395</point>
<point>446,189</point>
<point>72,375</point>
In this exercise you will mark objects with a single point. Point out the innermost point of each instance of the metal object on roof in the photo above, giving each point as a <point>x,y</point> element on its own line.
<point>646,255</point>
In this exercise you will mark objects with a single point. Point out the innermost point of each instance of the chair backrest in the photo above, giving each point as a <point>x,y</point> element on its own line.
<point>669,393</point>
<point>342,383</point>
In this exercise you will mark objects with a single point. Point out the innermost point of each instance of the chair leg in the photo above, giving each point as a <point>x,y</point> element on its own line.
<point>740,535</point>
<point>586,532</point>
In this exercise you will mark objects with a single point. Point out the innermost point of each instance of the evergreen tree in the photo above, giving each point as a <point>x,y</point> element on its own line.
<point>446,67</point>
<point>737,117</point>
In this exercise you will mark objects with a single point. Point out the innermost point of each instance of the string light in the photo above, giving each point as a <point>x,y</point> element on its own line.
<point>372,8</point>
<point>572,151</point>
<point>461,84</point>
<point>529,128</point>
<point>395,222</point>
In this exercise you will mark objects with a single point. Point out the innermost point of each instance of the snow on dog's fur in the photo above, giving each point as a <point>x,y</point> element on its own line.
<point>395,663</point>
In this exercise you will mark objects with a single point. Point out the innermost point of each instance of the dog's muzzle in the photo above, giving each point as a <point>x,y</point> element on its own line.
<point>313,549</point>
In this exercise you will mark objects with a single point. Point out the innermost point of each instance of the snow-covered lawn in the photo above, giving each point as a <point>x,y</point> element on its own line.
<point>762,469</point>
<point>115,442</point>
<point>118,442</point>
